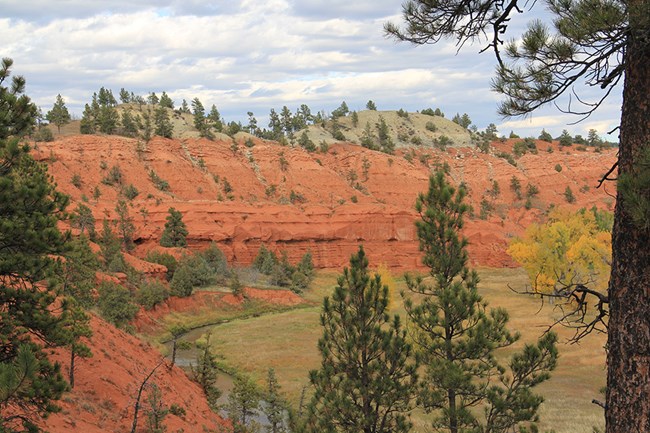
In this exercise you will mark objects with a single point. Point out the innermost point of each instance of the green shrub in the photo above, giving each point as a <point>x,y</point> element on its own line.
<point>151,293</point>
<point>508,157</point>
<point>115,304</point>
<point>76,180</point>
<point>558,168</point>
<point>158,182</point>
<point>43,134</point>
<point>531,190</point>
<point>568,195</point>
<point>130,191</point>
<point>181,283</point>
<point>113,177</point>
<point>165,259</point>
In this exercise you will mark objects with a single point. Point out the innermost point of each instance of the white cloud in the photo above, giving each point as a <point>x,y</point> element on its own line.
<point>248,55</point>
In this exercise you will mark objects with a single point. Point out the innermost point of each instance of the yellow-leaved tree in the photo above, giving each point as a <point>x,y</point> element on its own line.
<point>570,249</point>
<point>387,280</point>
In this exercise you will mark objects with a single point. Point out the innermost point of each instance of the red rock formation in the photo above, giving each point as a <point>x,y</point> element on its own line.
<point>347,196</point>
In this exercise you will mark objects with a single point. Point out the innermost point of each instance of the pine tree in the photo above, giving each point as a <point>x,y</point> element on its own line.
<point>243,403</point>
<point>214,117</point>
<point>366,378</point>
<point>164,126</point>
<point>205,371</point>
<point>77,325</point>
<point>110,249</point>
<point>166,101</point>
<point>30,209</point>
<point>276,406</point>
<point>457,335</point>
<point>129,125</point>
<point>175,232</point>
<point>199,114</point>
<point>59,114</point>
<point>83,219</point>
<point>125,226</point>
<point>125,96</point>
<point>17,112</point>
<point>77,274</point>
<point>565,139</point>
<point>184,107</point>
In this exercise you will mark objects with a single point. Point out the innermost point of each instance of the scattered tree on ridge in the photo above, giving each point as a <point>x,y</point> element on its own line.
<point>59,114</point>
<point>175,232</point>
<point>366,378</point>
<point>456,335</point>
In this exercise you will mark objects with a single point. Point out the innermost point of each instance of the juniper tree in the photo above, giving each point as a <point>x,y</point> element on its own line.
<point>59,114</point>
<point>366,377</point>
<point>456,335</point>
<point>175,232</point>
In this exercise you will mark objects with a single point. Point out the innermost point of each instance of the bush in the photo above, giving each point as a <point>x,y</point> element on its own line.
<point>265,260</point>
<point>158,182</point>
<point>43,133</point>
<point>76,180</point>
<point>568,195</point>
<point>151,293</point>
<point>431,126</point>
<point>508,157</point>
<point>531,190</point>
<point>113,177</point>
<point>558,168</point>
<point>216,261</point>
<point>130,191</point>
<point>181,283</point>
<point>165,259</point>
<point>115,304</point>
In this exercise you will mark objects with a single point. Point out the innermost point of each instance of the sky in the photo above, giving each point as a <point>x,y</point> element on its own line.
<point>248,55</point>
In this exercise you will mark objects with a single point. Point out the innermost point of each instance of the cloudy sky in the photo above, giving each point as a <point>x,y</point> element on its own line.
<point>254,55</point>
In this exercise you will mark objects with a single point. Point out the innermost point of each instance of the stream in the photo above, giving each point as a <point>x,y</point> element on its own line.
<point>225,381</point>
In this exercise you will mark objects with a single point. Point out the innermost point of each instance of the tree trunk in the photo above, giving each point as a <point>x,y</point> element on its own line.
<point>72,359</point>
<point>628,343</point>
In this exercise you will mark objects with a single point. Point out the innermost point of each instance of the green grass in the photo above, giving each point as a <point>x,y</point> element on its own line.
<point>287,341</point>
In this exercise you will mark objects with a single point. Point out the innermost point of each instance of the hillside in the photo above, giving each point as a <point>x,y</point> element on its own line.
<point>326,203</point>
<point>106,387</point>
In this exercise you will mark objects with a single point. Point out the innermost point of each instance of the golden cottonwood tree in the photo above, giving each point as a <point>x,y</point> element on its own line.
<point>569,249</point>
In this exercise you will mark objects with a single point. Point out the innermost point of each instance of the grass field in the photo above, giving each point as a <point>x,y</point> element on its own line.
<point>287,342</point>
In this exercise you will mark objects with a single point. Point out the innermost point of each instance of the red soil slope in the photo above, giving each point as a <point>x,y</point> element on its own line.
<point>326,203</point>
<point>106,386</point>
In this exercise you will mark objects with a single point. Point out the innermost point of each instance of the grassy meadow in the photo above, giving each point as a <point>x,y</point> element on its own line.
<point>287,341</point>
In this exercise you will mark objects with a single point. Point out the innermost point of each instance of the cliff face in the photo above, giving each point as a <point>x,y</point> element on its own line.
<point>326,203</point>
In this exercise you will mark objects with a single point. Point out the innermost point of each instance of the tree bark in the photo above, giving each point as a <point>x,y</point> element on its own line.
<point>628,343</point>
